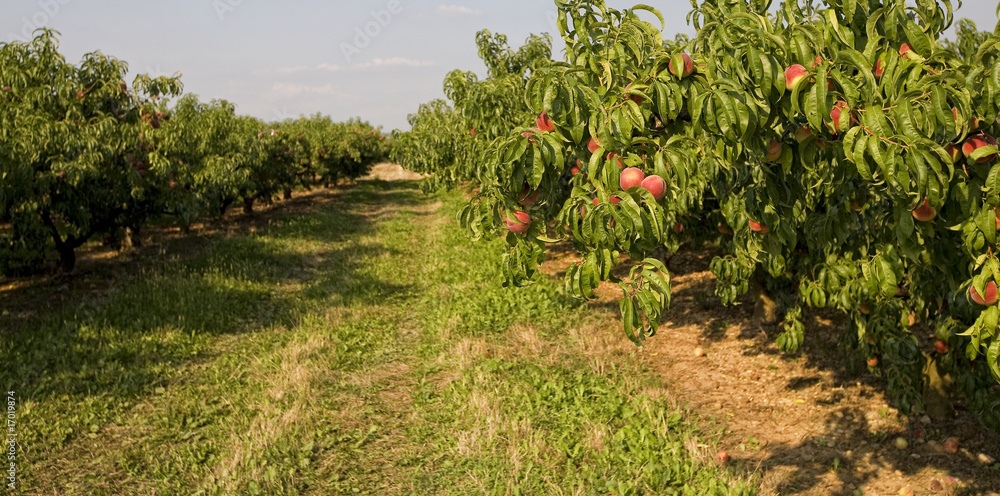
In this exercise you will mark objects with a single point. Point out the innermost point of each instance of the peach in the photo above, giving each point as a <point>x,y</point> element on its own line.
<point>758,227</point>
<point>519,223</point>
<point>594,145</point>
<point>979,141</point>
<point>803,133</point>
<point>688,66</point>
<point>527,197</point>
<point>774,150</point>
<point>631,178</point>
<point>656,186</point>
<point>544,123</point>
<point>925,212</point>
<point>794,75</point>
<point>904,49</point>
<point>990,297</point>
<point>841,115</point>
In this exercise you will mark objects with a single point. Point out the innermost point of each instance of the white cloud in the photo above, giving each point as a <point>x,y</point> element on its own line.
<point>457,11</point>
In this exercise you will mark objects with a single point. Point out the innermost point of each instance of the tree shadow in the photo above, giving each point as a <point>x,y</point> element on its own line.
<point>60,338</point>
<point>855,448</point>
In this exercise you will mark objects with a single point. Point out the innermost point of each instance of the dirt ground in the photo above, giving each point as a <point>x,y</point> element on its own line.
<point>803,422</point>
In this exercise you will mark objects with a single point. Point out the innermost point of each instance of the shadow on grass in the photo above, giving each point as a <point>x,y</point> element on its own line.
<point>160,313</point>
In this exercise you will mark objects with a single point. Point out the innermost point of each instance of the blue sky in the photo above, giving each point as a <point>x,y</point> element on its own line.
<point>282,59</point>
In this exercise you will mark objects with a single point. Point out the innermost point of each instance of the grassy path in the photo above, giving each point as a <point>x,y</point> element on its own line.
<point>366,348</point>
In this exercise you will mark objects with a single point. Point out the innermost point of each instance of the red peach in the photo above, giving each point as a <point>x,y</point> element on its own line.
<point>656,186</point>
<point>631,178</point>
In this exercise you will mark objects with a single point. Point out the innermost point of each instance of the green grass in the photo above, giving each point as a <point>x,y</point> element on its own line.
<point>366,348</point>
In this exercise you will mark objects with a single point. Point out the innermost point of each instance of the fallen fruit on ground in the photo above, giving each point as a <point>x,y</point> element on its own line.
<point>951,445</point>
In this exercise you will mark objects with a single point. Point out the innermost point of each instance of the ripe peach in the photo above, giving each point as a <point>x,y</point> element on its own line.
<point>594,144</point>
<point>757,227</point>
<point>904,49</point>
<point>519,223</point>
<point>527,197</point>
<point>955,151</point>
<point>544,123</point>
<point>794,75</point>
<point>990,297</point>
<point>635,98</point>
<point>616,158</point>
<point>841,115</point>
<point>656,185</point>
<point>925,212</point>
<point>979,141</point>
<point>632,178</point>
<point>688,66</point>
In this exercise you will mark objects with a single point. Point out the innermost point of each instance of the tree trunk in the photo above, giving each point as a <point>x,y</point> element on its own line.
<point>133,238</point>
<point>765,309</point>
<point>937,400</point>
<point>248,206</point>
<point>288,194</point>
<point>67,258</point>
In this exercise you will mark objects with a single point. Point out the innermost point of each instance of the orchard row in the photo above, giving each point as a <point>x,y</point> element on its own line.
<point>841,156</point>
<point>85,156</point>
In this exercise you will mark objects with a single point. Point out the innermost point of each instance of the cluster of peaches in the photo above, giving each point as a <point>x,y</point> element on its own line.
<point>632,177</point>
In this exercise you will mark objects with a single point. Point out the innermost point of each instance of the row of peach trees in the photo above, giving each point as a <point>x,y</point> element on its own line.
<point>841,155</point>
<point>84,155</point>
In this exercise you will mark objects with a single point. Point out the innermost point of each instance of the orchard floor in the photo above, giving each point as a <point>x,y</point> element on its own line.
<point>351,342</point>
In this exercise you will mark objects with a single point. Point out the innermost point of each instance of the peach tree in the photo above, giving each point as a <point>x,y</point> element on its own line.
<point>841,155</point>
<point>73,163</point>
<point>446,141</point>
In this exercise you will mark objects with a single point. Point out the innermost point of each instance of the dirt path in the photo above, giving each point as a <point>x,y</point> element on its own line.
<point>808,425</point>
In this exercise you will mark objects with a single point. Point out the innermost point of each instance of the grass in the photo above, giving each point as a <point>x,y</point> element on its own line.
<point>366,348</point>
